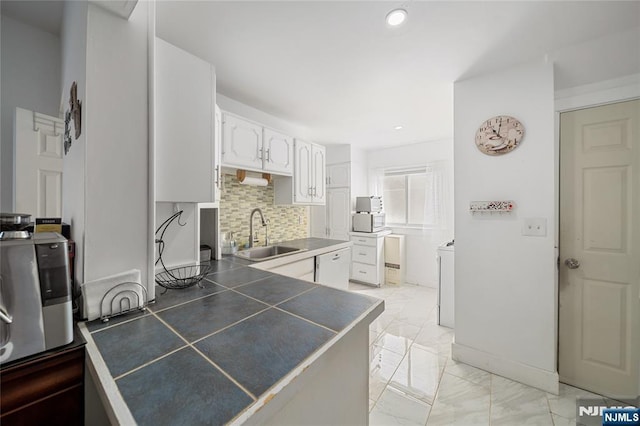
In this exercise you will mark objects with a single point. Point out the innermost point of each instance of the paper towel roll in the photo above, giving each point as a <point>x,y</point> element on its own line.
<point>254,181</point>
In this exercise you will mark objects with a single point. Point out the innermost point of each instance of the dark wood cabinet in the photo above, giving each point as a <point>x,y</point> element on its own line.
<point>45,389</point>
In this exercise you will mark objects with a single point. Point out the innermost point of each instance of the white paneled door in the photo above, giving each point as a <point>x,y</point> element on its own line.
<point>599,313</point>
<point>338,213</point>
<point>39,159</point>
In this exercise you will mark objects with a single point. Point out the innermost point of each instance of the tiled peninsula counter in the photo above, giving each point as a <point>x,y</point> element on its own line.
<point>251,347</point>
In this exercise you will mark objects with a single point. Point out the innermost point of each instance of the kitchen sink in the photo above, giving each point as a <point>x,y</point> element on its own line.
<point>257,254</point>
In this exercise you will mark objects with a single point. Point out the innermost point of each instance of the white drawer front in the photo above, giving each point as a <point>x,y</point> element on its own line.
<point>364,272</point>
<point>364,254</point>
<point>365,241</point>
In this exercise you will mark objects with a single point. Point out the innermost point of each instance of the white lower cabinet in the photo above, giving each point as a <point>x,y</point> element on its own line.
<point>367,259</point>
<point>302,269</point>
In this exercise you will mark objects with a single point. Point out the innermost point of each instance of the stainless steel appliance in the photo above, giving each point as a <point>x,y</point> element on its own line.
<point>35,295</point>
<point>368,222</point>
<point>370,204</point>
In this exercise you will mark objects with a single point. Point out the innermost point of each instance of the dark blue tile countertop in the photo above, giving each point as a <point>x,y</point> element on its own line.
<point>204,355</point>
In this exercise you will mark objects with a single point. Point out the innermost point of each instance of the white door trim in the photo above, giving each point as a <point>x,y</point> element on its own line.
<point>586,96</point>
<point>596,94</point>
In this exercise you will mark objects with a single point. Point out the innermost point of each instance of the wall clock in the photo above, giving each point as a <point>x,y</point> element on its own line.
<point>499,135</point>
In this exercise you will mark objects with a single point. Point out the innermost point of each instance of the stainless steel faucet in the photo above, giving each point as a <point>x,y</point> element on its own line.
<point>264,223</point>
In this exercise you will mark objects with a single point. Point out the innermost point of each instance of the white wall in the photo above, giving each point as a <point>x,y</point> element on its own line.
<point>180,241</point>
<point>420,245</point>
<point>30,60</point>
<point>74,57</point>
<point>505,294</point>
<point>117,143</point>
<point>105,182</point>
<point>251,113</point>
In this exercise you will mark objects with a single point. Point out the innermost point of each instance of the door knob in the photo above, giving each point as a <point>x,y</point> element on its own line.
<point>572,263</point>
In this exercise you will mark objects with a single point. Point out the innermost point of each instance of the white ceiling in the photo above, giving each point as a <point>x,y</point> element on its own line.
<point>335,68</point>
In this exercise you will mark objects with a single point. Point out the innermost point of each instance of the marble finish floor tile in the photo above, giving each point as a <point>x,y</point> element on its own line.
<point>515,403</point>
<point>402,329</point>
<point>382,365</point>
<point>418,374</point>
<point>214,399</point>
<point>397,408</point>
<point>121,345</point>
<point>564,404</point>
<point>396,344</point>
<point>469,373</point>
<point>292,341</point>
<point>460,402</point>
<point>412,366</point>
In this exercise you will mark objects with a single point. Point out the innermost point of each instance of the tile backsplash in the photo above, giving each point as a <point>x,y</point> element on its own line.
<point>237,201</point>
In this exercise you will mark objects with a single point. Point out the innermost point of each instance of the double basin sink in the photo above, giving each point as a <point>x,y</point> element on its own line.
<point>258,254</point>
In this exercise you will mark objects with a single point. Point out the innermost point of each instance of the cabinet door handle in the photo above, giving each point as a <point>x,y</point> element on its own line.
<point>259,153</point>
<point>363,272</point>
<point>268,155</point>
<point>218,177</point>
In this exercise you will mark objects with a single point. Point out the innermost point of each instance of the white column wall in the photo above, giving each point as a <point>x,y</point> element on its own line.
<point>505,292</point>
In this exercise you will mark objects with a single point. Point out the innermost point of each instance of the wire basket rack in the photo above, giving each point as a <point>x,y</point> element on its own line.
<point>182,277</point>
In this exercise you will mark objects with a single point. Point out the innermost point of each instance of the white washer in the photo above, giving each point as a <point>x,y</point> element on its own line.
<point>445,285</point>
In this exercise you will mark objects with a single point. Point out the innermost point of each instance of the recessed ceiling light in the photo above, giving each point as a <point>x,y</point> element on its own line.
<point>398,128</point>
<point>396,17</point>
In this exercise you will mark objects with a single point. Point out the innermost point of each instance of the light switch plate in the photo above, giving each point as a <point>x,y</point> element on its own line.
<point>534,227</point>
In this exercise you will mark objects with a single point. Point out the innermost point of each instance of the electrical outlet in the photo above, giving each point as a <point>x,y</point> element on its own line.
<point>534,227</point>
<point>299,219</point>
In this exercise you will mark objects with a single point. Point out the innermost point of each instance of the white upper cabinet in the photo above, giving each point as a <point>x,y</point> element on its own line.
<point>339,175</point>
<point>303,188</point>
<point>218,153</point>
<point>307,186</point>
<point>278,152</point>
<point>248,145</point>
<point>318,173</point>
<point>185,142</point>
<point>241,142</point>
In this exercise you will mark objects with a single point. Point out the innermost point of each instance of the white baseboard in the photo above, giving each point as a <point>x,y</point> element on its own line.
<point>545,380</point>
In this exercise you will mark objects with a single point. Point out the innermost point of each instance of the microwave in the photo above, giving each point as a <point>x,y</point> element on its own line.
<point>368,222</point>
<point>369,204</point>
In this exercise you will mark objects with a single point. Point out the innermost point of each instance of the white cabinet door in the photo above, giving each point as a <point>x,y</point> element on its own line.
<point>278,152</point>
<point>319,174</point>
<point>302,187</point>
<point>338,175</point>
<point>241,143</point>
<point>217,154</point>
<point>338,213</point>
<point>185,93</point>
